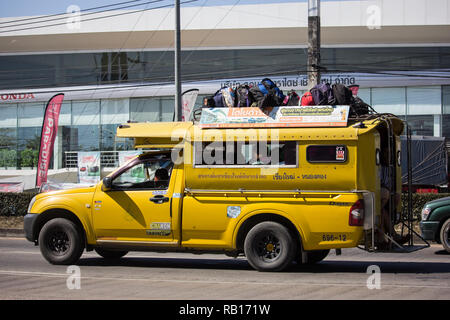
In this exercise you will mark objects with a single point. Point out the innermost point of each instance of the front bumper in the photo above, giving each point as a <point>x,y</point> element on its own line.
<point>28,226</point>
<point>429,229</point>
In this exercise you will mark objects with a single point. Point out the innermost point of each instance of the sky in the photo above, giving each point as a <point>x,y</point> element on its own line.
<point>19,8</point>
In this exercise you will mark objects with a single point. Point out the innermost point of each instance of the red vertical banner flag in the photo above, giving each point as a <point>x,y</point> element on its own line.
<point>48,135</point>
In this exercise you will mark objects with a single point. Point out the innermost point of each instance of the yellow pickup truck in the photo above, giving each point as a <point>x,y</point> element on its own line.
<point>276,195</point>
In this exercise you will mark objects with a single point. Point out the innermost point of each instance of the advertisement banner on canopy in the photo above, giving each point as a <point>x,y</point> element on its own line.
<point>311,116</point>
<point>48,135</point>
<point>88,167</point>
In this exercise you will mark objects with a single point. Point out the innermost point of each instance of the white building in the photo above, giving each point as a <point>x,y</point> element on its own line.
<point>118,65</point>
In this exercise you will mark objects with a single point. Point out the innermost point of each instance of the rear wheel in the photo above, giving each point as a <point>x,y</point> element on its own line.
<point>61,241</point>
<point>445,235</point>
<point>269,246</point>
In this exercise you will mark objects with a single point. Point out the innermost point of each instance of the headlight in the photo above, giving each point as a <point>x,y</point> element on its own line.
<point>425,213</point>
<point>31,204</point>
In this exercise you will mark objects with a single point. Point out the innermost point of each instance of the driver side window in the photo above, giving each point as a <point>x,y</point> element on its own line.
<point>151,173</point>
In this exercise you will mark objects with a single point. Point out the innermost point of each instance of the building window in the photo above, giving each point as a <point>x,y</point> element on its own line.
<point>424,105</point>
<point>423,100</point>
<point>30,117</point>
<point>366,95</point>
<point>446,99</point>
<point>84,133</point>
<point>8,136</point>
<point>446,111</point>
<point>152,109</point>
<point>421,125</point>
<point>114,67</point>
<point>113,113</point>
<point>389,100</point>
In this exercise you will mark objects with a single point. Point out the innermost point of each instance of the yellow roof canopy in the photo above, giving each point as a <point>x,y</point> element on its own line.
<point>170,134</point>
<point>154,134</point>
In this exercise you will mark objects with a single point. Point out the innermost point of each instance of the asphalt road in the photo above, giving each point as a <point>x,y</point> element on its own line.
<point>24,274</point>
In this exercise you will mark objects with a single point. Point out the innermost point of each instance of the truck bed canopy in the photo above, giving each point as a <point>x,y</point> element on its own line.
<point>170,134</point>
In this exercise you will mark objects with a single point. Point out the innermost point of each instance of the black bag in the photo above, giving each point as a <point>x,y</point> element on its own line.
<point>292,99</point>
<point>267,94</point>
<point>359,108</point>
<point>243,96</point>
<point>263,100</point>
<point>342,95</point>
<point>267,86</point>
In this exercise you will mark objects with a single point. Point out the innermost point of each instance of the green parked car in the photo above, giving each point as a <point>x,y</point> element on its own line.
<point>435,224</point>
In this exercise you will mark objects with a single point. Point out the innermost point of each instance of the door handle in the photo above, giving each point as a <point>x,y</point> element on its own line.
<point>159,199</point>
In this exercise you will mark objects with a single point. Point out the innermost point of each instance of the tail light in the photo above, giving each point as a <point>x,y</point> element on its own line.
<point>356,214</point>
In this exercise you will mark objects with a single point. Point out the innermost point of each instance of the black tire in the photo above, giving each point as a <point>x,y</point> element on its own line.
<point>110,254</point>
<point>445,235</point>
<point>61,241</point>
<point>269,246</point>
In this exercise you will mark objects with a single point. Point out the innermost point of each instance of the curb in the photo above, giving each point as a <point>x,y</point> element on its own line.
<point>14,233</point>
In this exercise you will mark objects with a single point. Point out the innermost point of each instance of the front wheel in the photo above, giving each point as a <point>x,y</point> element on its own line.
<point>445,235</point>
<point>269,246</point>
<point>61,242</point>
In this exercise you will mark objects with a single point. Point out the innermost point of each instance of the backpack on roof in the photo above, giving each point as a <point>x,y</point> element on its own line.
<point>267,86</point>
<point>322,94</point>
<point>243,96</point>
<point>267,94</point>
<point>359,108</point>
<point>342,95</point>
<point>223,98</point>
<point>263,100</point>
<point>292,99</point>
<point>307,99</point>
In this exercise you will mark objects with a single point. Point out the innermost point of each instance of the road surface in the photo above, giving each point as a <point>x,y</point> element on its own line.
<point>356,274</point>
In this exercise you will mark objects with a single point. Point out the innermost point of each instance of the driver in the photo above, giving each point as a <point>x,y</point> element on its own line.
<point>161,178</point>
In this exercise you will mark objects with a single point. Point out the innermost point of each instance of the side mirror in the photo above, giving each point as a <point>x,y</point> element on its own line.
<point>107,184</point>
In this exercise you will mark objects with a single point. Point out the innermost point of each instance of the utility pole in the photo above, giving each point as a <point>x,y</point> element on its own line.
<point>313,67</point>
<point>178,111</point>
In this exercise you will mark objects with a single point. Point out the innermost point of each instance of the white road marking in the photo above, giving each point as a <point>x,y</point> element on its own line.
<point>282,284</point>
<point>19,252</point>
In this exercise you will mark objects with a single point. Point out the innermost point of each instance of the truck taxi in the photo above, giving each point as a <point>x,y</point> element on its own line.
<point>278,193</point>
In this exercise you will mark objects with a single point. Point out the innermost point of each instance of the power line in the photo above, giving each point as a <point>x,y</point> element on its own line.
<point>211,30</point>
<point>67,16</point>
<point>102,17</point>
<point>164,80</point>
<point>65,13</point>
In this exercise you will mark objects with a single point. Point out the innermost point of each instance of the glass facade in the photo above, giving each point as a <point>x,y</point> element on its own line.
<point>85,125</point>
<point>74,69</point>
<point>421,106</point>
<point>90,124</point>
